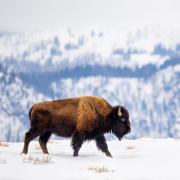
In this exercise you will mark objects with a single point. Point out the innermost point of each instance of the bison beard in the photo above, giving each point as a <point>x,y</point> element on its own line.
<point>83,118</point>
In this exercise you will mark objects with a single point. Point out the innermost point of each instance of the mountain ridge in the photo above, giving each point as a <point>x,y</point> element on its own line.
<point>141,72</point>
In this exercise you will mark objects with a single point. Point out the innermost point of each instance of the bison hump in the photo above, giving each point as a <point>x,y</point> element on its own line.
<point>92,112</point>
<point>86,117</point>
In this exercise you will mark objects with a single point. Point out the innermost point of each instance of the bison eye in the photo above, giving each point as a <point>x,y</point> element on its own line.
<point>123,119</point>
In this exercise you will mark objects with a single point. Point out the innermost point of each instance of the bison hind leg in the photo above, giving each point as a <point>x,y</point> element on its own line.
<point>29,136</point>
<point>77,141</point>
<point>43,139</point>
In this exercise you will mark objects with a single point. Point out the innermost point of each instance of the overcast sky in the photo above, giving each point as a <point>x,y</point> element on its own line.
<point>30,15</point>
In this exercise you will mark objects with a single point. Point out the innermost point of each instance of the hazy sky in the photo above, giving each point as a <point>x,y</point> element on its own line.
<point>30,15</point>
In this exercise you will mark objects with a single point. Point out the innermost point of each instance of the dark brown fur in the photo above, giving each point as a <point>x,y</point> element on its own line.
<point>83,118</point>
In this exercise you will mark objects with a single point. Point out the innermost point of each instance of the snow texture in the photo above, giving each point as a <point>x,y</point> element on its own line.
<point>143,158</point>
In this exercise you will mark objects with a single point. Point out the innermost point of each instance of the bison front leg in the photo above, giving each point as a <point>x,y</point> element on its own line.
<point>101,144</point>
<point>76,143</point>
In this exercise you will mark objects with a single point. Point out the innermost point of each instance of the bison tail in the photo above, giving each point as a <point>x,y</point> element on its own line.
<point>30,112</point>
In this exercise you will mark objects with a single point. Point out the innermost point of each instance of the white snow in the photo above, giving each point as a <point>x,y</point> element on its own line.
<point>141,159</point>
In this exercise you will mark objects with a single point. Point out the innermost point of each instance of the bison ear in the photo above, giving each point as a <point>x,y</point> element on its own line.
<point>119,111</point>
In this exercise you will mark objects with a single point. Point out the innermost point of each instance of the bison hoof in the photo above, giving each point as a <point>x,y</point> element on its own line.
<point>23,152</point>
<point>109,155</point>
<point>75,154</point>
<point>45,152</point>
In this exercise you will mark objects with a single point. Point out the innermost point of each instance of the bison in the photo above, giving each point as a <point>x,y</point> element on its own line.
<point>82,118</point>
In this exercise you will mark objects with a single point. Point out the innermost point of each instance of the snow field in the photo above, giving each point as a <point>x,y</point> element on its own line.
<point>149,159</point>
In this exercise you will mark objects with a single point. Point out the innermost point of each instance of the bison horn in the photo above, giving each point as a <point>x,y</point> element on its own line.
<point>119,111</point>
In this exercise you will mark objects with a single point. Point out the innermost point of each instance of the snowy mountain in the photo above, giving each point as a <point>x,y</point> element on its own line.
<point>139,69</point>
<point>16,98</point>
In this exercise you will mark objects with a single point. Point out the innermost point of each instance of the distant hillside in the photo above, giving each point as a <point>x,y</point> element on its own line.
<point>140,70</point>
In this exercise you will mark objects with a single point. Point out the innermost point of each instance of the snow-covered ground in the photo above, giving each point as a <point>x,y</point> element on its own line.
<point>141,159</point>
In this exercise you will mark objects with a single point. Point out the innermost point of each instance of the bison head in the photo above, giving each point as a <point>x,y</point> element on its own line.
<point>120,123</point>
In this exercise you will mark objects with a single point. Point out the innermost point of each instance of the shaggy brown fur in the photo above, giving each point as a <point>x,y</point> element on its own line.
<point>82,118</point>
